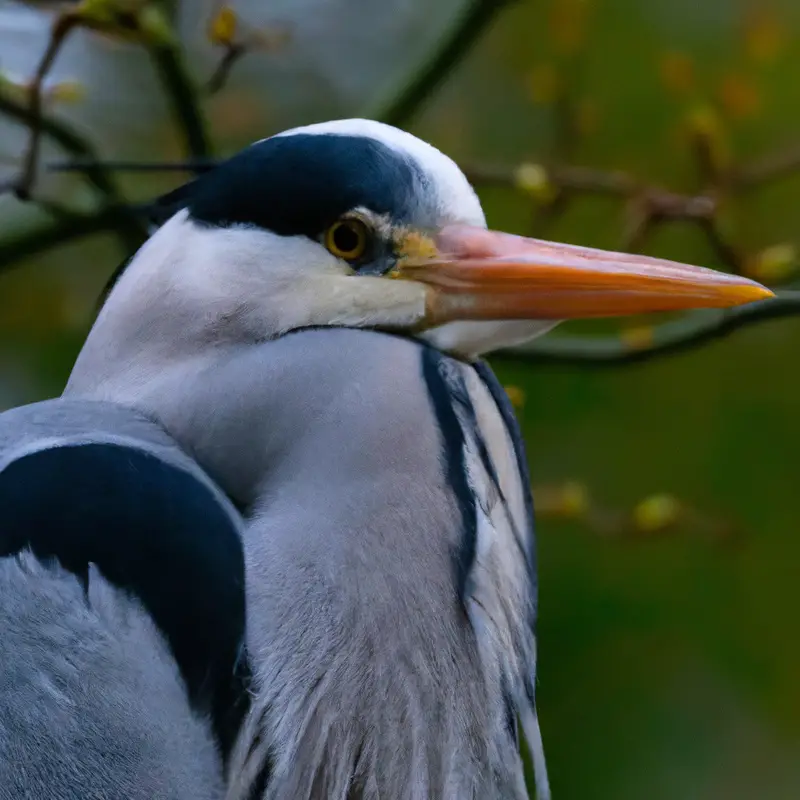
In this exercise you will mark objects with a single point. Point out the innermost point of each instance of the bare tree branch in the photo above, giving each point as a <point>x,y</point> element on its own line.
<point>182,94</point>
<point>232,53</point>
<point>82,151</point>
<point>130,229</point>
<point>187,165</point>
<point>148,23</point>
<point>67,228</point>
<point>64,23</point>
<point>405,101</point>
<point>573,179</point>
<point>551,188</point>
<point>774,165</point>
<point>236,40</point>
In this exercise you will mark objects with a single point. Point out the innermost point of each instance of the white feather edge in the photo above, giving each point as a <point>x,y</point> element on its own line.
<point>495,531</point>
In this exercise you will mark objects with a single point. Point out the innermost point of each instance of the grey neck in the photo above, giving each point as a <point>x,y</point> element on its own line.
<point>324,406</point>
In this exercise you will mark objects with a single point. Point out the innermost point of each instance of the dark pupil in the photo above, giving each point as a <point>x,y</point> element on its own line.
<point>346,238</point>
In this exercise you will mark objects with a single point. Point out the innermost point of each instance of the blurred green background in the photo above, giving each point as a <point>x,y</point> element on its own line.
<point>669,663</point>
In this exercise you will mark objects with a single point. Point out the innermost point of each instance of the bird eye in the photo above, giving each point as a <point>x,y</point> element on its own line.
<point>347,239</point>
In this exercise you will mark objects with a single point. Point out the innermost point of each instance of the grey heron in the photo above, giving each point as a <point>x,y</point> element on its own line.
<point>307,327</point>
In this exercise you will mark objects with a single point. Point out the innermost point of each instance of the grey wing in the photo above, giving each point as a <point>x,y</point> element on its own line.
<point>121,611</point>
<point>501,591</point>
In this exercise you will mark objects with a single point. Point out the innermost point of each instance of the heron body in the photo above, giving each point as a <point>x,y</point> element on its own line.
<point>350,441</point>
<point>307,326</point>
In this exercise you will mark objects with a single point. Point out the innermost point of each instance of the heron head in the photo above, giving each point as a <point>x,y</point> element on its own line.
<point>358,224</point>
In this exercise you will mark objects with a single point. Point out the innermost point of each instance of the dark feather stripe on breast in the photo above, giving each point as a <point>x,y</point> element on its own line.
<point>515,433</point>
<point>444,391</point>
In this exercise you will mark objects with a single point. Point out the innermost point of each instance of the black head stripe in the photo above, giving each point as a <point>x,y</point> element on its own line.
<point>300,183</point>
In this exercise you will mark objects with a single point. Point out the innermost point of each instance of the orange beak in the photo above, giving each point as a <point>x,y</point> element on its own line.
<point>475,274</point>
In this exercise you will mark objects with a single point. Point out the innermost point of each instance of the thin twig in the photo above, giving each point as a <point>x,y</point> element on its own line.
<point>182,94</point>
<point>233,53</point>
<point>223,31</point>
<point>189,165</point>
<point>775,165</point>
<point>69,227</point>
<point>660,202</point>
<point>647,204</point>
<point>457,42</point>
<point>668,338</point>
<point>65,136</point>
<point>236,40</point>
<point>130,229</point>
<point>578,179</point>
<point>62,27</point>
<point>726,251</point>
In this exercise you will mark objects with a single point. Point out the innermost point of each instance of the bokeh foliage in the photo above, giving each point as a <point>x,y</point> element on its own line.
<point>668,655</point>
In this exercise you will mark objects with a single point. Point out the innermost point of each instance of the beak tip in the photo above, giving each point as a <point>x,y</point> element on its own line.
<point>754,293</point>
